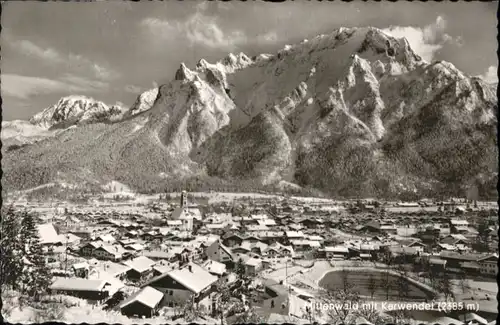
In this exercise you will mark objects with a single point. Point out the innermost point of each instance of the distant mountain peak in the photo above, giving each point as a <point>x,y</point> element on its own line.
<point>75,109</point>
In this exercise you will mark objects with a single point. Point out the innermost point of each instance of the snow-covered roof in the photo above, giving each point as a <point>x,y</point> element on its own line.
<point>135,247</point>
<point>214,267</point>
<point>68,238</point>
<point>115,283</point>
<point>78,284</point>
<point>48,234</point>
<point>115,269</point>
<point>336,249</point>
<point>82,265</point>
<point>157,254</point>
<point>193,277</point>
<point>186,213</point>
<point>294,234</point>
<point>147,296</point>
<point>253,261</point>
<point>140,264</point>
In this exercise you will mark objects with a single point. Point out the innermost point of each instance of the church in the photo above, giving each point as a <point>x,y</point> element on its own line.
<point>186,214</point>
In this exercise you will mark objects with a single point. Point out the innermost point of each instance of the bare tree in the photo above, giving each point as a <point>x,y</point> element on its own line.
<point>401,317</point>
<point>223,301</point>
<point>402,282</point>
<point>464,283</point>
<point>386,283</point>
<point>249,316</point>
<point>341,300</point>
<point>443,284</point>
<point>372,315</point>
<point>372,285</point>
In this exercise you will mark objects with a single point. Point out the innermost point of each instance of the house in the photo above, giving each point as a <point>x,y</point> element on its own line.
<point>267,222</point>
<point>253,266</point>
<point>174,223</point>
<point>135,247</point>
<point>389,229</point>
<point>131,234</point>
<point>270,237</point>
<point>128,241</point>
<point>257,227</point>
<point>162,268</point>
<point>115,284</point>
<point>488,265</point>
<point>181,284</point>
<point>436,264</point>
<point>278,250</point>
<point>140,268</point>
<point>219,252</point>
<point>109,252</point>
<point>69,239</point>
<point>158,255</point>
<point>247,246</point>
<point>336,252</point>
<point>88,248</point>
<point>231,240</point>
<point>81,270</point>
<point>144,303</point>
<point>48,235</point>
<point>454,259</point>
<point>311,223</point>
<point>291,235</point>
<point>106,238</point>
<point>470,267</point>
<point>414,243</point>
<point>95,290</point>
<point>215,268</point>
<point>372,227</point>
<point>455,239</point>
<point>116,270</point>
<point>459,226</point>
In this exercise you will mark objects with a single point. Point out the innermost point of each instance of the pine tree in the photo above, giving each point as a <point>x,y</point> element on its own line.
<point>10,249</point>
<point>36,276</point>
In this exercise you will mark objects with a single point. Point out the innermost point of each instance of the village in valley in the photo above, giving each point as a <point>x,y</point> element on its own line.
<point>255,258</point>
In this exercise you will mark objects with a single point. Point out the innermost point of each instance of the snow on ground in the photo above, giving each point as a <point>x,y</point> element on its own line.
<point>117,187</point>
<point>12,129</point>
<point>138,125</point>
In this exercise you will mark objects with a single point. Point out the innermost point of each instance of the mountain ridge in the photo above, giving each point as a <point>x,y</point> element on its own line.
<point>341,112</point>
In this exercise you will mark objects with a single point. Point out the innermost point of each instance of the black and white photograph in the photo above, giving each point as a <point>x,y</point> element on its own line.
<point>235,162</point>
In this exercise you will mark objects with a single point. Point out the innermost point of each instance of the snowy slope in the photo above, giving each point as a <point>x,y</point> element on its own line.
<point>73,110</point>
<point>143,102</point>
<point>354,112</point>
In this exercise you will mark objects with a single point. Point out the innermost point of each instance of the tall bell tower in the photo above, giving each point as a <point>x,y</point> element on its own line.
<point>184,199</point>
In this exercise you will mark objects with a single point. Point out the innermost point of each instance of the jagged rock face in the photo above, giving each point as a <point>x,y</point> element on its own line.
<point>143,102</point>
<point>353,113</point>
<point>73,110</point>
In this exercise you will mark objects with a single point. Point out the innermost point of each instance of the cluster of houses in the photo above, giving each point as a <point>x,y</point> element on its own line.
<point>187,253</point>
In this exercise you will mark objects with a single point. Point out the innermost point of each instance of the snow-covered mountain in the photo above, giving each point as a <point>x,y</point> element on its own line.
<point>143,102</point>
<point>73,110</point>
<point>20,132</point>
<point>354,113</point>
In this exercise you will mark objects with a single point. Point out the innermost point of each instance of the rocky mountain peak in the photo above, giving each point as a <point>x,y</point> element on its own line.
<point>354,113</point>
<point>72,110</point>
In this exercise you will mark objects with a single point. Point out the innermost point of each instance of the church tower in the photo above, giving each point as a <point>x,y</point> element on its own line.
<point>184,199</point>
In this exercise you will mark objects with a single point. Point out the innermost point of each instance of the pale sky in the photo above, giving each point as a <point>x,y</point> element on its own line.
<point>112,51</point>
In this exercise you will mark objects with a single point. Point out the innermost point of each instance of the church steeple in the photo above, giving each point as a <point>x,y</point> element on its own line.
<point>184,199</point>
